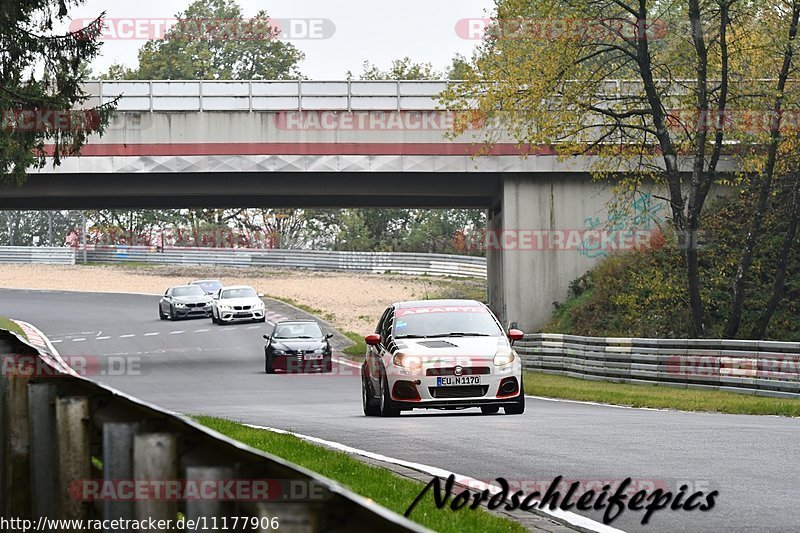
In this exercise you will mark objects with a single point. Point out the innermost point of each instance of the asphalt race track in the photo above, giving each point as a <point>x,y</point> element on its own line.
<point>196,367</point>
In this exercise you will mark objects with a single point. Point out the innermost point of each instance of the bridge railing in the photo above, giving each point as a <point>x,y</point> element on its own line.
<point>70,447</point>
<point>762,368</point>
<point>272,95</point>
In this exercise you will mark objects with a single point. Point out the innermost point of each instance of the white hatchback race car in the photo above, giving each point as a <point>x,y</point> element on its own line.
<point>441,354</point>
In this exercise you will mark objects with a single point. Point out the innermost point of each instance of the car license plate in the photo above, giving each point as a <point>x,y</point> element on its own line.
<point>448,381</point>
<point>312,357</point>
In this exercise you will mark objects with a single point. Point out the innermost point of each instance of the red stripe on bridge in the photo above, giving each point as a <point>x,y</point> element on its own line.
<point>201,149</point>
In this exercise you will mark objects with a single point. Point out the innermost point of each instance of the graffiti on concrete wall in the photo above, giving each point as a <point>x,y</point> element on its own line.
<point>642,213</point>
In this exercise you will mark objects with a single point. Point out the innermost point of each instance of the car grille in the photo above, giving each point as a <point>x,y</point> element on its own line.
<point>298,352</point>
<point>242,307</point>
<point>469,391</point>
<point>196,305</point>
<point>465,371</point>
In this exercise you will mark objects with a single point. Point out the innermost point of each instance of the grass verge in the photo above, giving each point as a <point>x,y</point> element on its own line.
<point>357,350</point>
<point>11,326</point>
<point>377,484</point>
<point>554,386</point>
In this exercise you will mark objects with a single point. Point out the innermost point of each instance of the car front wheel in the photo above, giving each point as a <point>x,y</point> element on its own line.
<point>386,407</point>
<point>268,368</point>
<point>369,403</point>
<point>161,314</point>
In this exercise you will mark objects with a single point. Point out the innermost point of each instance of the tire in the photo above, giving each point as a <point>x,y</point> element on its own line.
<point>213,318</point>
<point>172,314</point>
<point>519,407</point>
<point>161,314</point>
<point>328,366</point>
<point>268,364</point>
<point>490,409</point>
<point>368,402</point>
<point>387,408</point>
<point>262,319</point>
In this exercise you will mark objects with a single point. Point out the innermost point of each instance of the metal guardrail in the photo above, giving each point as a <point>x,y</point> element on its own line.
<point>60,433</point>
<point>31,254</point>
<point>763,368</point>
<point>373,262</point>
<point>267,95</point>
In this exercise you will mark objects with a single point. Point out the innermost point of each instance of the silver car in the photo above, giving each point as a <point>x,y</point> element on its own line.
<point>184,301</point>
<point>237,303</point>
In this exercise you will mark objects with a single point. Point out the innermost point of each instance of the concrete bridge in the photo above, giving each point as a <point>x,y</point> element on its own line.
<point>345,144</point>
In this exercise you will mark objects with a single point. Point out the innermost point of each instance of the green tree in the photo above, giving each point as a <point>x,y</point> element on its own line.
<point>213,41</point>
<point>41,72</point>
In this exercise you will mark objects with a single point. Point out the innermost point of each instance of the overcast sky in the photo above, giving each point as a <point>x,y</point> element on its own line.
<point>374,30</point>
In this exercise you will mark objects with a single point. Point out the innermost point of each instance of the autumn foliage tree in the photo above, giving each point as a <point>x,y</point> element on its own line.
<point>654,88</point>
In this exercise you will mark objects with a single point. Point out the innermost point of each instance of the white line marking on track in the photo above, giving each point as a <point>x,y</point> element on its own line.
<point>79,339</point>
<point>558,514</point>
<point>150,334</point>
<point>200,330</point>
<point>127,336</point>
<point>176,332</point>
<point>59,340</point>
<point>253,327</point>
<point>102,338</point>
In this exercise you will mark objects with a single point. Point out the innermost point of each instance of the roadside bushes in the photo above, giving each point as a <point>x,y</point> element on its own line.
<point>642,293</point>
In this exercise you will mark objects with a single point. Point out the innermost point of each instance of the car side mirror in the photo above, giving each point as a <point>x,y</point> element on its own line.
<point>260,294</point>
<point>515,334</point>
<point>329,335</point>
<point>373,339</point>
<point>266,337</point>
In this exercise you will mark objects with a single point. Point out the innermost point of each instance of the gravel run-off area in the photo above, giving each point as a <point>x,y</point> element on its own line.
<point>349,301</point>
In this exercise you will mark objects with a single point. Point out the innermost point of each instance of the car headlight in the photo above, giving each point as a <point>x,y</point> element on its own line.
<point>409,362</point>
<point>504,357</point>
<point>319,350</point>
<point>225,307</point>
<point>176,304</point>
<point>279,352</point>
<point>259,305</point>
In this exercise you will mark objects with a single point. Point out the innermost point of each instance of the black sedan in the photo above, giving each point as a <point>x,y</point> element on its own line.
<point>297,346</point>
<point>184,301</point>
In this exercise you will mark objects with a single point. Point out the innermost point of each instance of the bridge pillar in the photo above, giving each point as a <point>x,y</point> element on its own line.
<point>526,274</point>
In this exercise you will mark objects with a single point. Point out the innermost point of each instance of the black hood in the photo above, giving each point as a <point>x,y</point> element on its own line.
<point>298,344</point>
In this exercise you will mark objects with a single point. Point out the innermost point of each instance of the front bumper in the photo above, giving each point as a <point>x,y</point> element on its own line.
<point>192,312</point>
<point>240,315</point>
<point>416,390</point>
<point>297,363</point>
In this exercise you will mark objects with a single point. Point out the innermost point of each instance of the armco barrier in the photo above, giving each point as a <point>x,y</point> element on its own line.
<point>374,262</point>
<point>37,254</point>
<point>61,434</point>
<point>764,368</point>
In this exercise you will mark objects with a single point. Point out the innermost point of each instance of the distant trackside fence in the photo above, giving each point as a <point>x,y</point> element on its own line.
<point>37,254</point>
<point>62,436</point>
<point>373,262</point>
<point>763,368</point>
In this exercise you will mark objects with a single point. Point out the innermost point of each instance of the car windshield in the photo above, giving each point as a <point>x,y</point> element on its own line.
<point>445,322</point>
<point>308,330</point>
<point>208,286</point>
<point>188,291</point>
<point>238,293</point>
